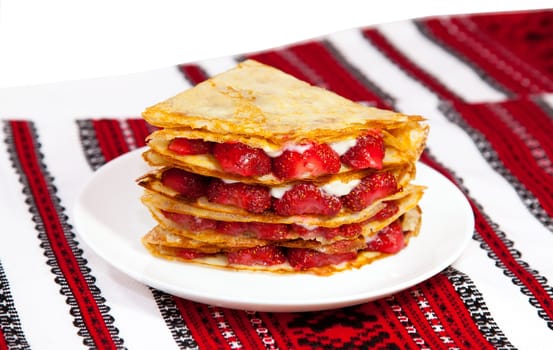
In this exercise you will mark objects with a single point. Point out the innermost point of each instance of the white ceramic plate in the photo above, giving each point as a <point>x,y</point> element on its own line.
<point>110,218</point>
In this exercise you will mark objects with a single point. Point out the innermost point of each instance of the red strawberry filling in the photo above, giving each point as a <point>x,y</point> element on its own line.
<point>253,198</point>
<point>370,189</point>
<point>301,199</point>
<point>185,147</point>
<point>368,152</point>
<point>306,199</point>
<point>190,222</point>
<point>346,231</point>
<point>315,159</point>
<point>303,259</point>
<point>388,240</point>
<point>188,185</point>
<point>238,158</point>
<point>262,230</point>
<point>262,255</point>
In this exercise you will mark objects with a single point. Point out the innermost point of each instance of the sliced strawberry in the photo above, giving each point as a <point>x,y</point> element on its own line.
<point>253,198</point>
<point>190,222</point>
<point>346,231</point>
<point>317,160</point>
<point>388,240</point>
<point>368,152</point>
<point>232,228</point>
<point>269,231</point>
<point>184,146</point>
<point>302,259</point>
<point>350,230</point>
<point>188,185</point>
<point>306,199</point>
<point>238,158</point>
<point>262,255</point>
<point>189,254</point>
<point>371,188</point>
<point>390,209</point>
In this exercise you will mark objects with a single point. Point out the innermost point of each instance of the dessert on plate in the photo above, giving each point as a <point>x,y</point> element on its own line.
<point>255,169</point>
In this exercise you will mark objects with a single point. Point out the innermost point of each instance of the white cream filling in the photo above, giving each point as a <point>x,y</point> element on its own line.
<point>278,192</point>
<point>341,147</point>
<point>339,188</point>
<point>290,147</point>
<point>335,188</point>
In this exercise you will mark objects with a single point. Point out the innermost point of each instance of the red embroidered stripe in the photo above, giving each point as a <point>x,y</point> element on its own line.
<point>453,315</point>
<point>201,324</point>
<point>24,145</point>
<point>414,314</point>
<point>243,329</point>
<point>140,130</point>
<point>110,138</point>
<point>193,73</point>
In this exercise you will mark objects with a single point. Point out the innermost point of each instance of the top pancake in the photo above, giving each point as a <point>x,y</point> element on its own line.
<point>258,101</point>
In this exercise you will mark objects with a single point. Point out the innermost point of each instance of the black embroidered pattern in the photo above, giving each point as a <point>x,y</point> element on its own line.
<point>173,319</point>
<point>92,151</point>
<point>10,325</point>
<point>45,243</point>
<point>477,308</point>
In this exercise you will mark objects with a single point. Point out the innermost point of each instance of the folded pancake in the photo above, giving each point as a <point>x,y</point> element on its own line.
<point>266,108</point>
<point>207,210</point>
<point>292,258</point>
<point>272,112</point>
<point>255,169</point>
<point>257,233</point>
<point>402,145</point>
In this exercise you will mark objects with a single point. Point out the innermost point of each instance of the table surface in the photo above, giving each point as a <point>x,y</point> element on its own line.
<point>485,84</point>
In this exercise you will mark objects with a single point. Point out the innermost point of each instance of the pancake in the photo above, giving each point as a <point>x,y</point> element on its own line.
<point>204,209</point>
<point>254,169</point>
<point>159,244</point>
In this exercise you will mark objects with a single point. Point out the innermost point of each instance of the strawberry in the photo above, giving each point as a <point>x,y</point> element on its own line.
<point>350,230</point>
<point>261,255</point>
<point>302,258</point>
<point>184,146</point>
<point>189,254</point>
<point>368,152</point>
<point>371,188</point>
<point>269,231</point>
<point>347,231</point>
<point>388,240</point>
<point>306,199</point>
<point>238,158</point>
<point>190,222</point>
<point>232,228</point>
<point>317,160</point>
<point>188,185</point>
<point>389,210</point>
<point>253,198</point>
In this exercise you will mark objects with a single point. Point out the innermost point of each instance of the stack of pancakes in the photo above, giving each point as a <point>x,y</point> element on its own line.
<point>255,169</point>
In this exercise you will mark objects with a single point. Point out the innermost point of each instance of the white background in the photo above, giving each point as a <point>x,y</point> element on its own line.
<point>56,40</point>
